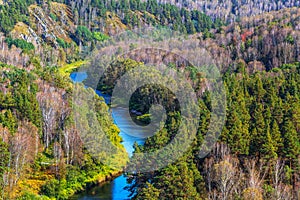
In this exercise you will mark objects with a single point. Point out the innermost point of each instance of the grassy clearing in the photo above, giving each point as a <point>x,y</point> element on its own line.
<point>69,68</point>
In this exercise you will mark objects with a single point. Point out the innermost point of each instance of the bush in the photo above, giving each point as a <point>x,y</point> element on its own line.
<point>276,70</point>
<point>20,43</point>
<point>50,188</point>
<point>55,189</point>
<point>83,33</point>
<point>53,16</point>
<point>100,36</point>
<point>62,43</point>
<point>28,195</point>
<point>146,118</point>
<point>290,39</point>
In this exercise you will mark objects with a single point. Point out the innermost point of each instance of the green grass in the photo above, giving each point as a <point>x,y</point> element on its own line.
<point>69,68</point>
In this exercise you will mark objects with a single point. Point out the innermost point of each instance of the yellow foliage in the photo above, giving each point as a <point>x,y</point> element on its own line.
<point>58,6</point>
<point>113,24</point>
<point>32,184</point>
<point>20,28</point>
<point>252,194</point>
<point>68,68</point>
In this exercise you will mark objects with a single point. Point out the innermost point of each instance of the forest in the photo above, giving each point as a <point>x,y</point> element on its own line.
<point>255,45</point>
<point>257,156</point>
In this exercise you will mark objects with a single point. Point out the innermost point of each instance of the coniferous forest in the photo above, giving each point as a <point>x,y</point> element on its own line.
<point>255,46</point>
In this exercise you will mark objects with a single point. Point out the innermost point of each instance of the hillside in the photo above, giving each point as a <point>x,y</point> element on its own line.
<point>65,32</point>
<point>44,154</point>
<point>41,143</point>
<point>232,10</point>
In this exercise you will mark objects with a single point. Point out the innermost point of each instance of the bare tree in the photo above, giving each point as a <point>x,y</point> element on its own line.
<point>223,176</point>
<point>226,177</point>
<point>256,173</point>
<point>55,111</point>
<point>281,190</point>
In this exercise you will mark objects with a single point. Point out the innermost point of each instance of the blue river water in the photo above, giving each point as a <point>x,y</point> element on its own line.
<point>115,188</point>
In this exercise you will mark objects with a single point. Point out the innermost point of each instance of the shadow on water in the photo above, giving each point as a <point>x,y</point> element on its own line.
<point>110,190</point>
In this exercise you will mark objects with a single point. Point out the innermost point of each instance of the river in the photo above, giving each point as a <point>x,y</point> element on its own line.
<point>115,188</point>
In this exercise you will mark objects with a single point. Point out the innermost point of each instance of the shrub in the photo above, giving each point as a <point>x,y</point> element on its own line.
<point>83,33</point>
<point>62,43</point>
<point>20,43</point>
<point>53,16</point>
<point>100,36</point>
<point>290,39</point>
<point>55,189</point>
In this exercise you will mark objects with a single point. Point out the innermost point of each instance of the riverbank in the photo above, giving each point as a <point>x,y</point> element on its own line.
<point>112,185</point>
<point>101,180</point>
<point>114,188</point>
<point>33,186</point>
<point>109,177</point>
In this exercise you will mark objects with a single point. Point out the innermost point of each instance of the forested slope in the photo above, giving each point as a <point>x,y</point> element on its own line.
<point>258,153</point>
<point>232,10</point>
<point>42,151</point>
<point>257,157</point>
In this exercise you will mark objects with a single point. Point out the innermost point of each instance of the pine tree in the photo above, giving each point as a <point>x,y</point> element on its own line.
<point>236,137</point>
<point>291,140</point>
<point>268,148</point>
<point>177,182</point>
<point>190,26</point>
<point>149,192</point>
<point>9,121</point>
<point>276,137</point>
<point>258,130</point>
